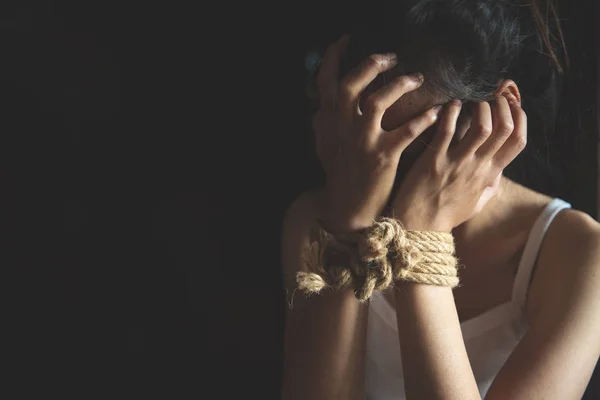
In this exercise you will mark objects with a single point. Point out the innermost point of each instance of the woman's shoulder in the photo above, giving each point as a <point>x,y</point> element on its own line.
<point>567,224</point>
<point>572,232</point>
<point>570,249</point>
<point>302,213</point>
<point>569,253</point>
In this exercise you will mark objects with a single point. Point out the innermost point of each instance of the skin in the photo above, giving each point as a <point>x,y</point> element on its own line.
<point>325,334</point>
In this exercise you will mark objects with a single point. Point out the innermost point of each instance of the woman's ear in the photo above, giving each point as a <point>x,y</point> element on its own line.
<point>509,89</point>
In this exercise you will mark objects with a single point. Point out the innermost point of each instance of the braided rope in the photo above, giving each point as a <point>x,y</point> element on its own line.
<point>374,258</point>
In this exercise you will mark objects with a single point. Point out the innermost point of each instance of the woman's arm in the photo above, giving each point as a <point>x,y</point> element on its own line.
<point>433,350</point>
<point>325,334</point>
<point>442,190</point>
<point>556,357</point>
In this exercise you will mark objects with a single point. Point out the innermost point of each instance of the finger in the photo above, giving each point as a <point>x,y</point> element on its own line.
<point>399,139</point>
<point>446,127</point>
<point>327,77</point>
<point>357,80</point>
<point>516,142</point>
<point>479,131</point>
<point>502,128</point>
<point>377,103</point>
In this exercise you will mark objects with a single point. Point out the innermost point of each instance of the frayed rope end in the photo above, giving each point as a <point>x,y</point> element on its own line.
<point>310,282</point>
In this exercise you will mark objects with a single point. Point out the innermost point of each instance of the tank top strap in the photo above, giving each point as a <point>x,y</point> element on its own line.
<point>532,248</point>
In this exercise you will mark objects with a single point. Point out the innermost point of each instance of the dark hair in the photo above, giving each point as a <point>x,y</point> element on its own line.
<point>465,48</point>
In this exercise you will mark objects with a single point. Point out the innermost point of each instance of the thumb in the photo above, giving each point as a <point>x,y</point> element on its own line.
<point>488,193</point>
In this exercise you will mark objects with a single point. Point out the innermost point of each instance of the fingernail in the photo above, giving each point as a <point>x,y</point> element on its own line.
<point>390,58</point>
<point>437,109</point>
<point>456,102</point>
<point>417,76</point>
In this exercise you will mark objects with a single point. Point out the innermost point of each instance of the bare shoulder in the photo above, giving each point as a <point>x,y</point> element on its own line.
<point>299,218</point>
<point>569,259</point>
<point>304,206</point>
<point>573,235</point>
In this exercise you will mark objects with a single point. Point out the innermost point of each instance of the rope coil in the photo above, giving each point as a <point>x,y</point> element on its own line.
<point>372,259</point>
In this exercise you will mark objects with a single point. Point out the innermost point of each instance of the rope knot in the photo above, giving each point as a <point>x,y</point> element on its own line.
<point>373,258</point>
<point>373,244</point>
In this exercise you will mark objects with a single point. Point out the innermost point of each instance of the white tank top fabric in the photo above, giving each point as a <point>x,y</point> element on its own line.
<point>489,338</point>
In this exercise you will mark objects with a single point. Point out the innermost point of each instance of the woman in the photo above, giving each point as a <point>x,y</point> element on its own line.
<point>424,136</point>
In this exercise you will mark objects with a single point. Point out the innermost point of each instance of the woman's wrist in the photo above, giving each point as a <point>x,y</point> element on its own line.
<point>421,225</point>
<point>372,259</point>
<point>415,222</point>
<point>340,221</point>
<point>344,226</point>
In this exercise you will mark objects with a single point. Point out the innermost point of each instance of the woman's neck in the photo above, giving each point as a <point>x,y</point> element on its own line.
<point>493,213</point>
<point>512,211</point>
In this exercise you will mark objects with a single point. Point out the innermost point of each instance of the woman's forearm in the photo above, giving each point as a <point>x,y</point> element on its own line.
<point>325,347</point>
<point>434,357</point>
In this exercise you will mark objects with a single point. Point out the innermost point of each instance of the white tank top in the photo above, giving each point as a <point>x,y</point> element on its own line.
<point>489,338</point>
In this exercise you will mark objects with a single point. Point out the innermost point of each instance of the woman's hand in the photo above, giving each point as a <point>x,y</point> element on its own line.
<point>359,157</point>
<point>448,185</point>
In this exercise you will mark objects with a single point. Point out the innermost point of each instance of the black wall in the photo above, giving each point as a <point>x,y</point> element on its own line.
<point>147,156</point>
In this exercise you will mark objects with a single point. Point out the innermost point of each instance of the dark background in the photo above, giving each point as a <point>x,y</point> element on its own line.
<point>147,156</point>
